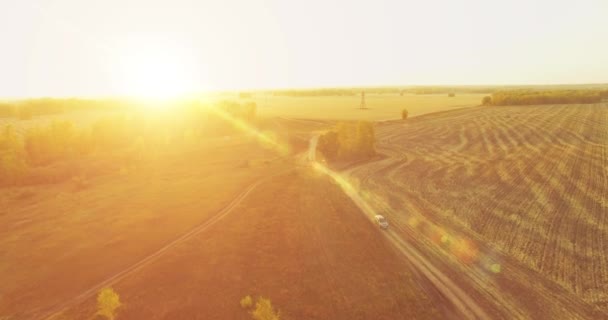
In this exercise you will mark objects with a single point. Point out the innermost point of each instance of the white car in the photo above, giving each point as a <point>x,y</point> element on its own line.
<point>381,221</point>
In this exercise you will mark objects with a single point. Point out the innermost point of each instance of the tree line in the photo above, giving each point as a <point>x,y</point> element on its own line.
<point>325,92</point>
<point>530,97</point>
<point>127,138</point>
<point>29,108</point>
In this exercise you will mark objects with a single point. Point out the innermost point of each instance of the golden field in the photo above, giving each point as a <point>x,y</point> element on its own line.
<point>506,203</point>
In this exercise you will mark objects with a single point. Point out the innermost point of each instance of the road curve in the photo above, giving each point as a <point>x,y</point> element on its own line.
<point>462,302</point>
<point>60,308</point>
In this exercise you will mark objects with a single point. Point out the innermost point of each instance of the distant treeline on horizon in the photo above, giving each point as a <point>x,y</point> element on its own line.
<point>426,90</point>
<point>540,97</point>
<point>497,95</point>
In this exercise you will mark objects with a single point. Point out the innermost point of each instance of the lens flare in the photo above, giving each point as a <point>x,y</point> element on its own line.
<point>463,249</point>
<point>267,139</point>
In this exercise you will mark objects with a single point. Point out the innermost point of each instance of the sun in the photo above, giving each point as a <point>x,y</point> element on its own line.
<point>155,76</point>
<point>156,71</point>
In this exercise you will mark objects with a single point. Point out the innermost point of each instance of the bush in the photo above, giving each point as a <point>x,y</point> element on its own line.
<point>451,94</point>
<point>264,310</point>
<point>246,302</point>
<point>107,303</point>
<point>404,114</point>
<point>486,101</point>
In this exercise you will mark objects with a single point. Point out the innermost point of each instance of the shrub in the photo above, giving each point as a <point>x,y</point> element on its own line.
<point>264,310</point>
<point>246,302</point>
<point>486,101</point>
<point>404,114</point>
<point>107,303</point>
<point>451,94</point>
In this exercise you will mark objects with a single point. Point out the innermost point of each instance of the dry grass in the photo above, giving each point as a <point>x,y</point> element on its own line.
<point>525,187</point>
<point>61,240</point>
<point>297,240</point>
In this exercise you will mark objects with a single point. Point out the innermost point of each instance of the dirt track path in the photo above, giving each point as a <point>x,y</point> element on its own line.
<point>59,309</point>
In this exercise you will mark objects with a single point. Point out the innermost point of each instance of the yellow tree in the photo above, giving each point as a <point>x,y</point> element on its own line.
<point>264,310</point>
<point>107,303</point>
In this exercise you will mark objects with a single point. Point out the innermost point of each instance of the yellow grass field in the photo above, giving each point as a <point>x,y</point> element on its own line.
<point>58,240</point>
<point>296,241</point>
<point>61,242</point>
<point>507,202</point>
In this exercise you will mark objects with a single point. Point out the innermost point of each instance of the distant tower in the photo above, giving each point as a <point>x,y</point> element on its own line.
<point>362,100</point>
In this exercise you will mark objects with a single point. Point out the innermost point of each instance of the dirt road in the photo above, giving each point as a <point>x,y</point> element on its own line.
<point>463,303</point>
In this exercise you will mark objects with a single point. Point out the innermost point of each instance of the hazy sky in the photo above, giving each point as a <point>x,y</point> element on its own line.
<point>108,47</point>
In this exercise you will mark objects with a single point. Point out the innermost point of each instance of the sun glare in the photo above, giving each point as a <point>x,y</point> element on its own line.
<point>158,72</point>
